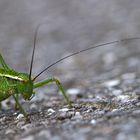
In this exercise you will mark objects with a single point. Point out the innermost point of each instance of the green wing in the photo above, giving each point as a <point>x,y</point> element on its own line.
<point>3,63</point>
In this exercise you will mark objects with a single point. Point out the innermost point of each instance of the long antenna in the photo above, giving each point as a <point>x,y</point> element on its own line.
<point>32,59</point>
<point>89,48</point>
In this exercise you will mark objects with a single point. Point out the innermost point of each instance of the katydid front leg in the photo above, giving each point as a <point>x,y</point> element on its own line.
<point>16,105</point>
<point>19,105</point>
<point>59,85</point>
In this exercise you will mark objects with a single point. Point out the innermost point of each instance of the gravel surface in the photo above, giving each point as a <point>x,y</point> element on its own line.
<point>105,105</point>
<point>103,84</point>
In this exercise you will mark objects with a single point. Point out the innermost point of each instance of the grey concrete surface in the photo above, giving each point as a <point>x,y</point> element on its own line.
<point>103,84</point>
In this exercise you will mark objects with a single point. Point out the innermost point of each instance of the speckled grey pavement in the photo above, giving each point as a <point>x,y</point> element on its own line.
<point>103,84</point>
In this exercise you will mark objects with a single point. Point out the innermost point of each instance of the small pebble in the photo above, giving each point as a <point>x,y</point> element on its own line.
<point>114,110</point>
<point>50,110</point>
<point>77,116</point>
<point>117,92</point>
<point>99,112</point>
<point>93,121</point>
<point>123,98</point>
<point>111,83</point>
<point>64,109</point>
<point>20,116</point>
<point>73,91</point>
<point>77,113</point>
<point>62,115</point>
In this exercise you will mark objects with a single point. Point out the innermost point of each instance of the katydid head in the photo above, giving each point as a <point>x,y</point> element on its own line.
<point>25,86</point>
<point>28,90</point>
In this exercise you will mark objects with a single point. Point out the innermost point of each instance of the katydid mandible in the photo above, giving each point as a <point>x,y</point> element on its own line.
<point>14,83</point>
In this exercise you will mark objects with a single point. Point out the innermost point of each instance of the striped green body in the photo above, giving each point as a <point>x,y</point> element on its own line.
<point>12,82</point>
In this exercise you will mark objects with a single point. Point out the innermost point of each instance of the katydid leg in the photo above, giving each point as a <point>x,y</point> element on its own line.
<point>16,105</point>
<point>2,62</point>
<point>59,85</point>
<point>19,105</point>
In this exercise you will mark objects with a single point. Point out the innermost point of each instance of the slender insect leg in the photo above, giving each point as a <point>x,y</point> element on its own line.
<point>19,105</point>
<point>59,85</point>
<point>16,105</point>
<point>3,63</point>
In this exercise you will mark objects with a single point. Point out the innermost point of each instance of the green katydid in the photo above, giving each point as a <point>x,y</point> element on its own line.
<point>14,83</point>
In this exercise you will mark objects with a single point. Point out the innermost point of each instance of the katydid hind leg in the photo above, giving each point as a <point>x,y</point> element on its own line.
<point>3,63</point>
<point>59,85</point>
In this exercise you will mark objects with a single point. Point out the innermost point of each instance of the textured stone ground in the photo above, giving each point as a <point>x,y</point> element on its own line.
<point>103,85</point>
<point>105,96</point>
